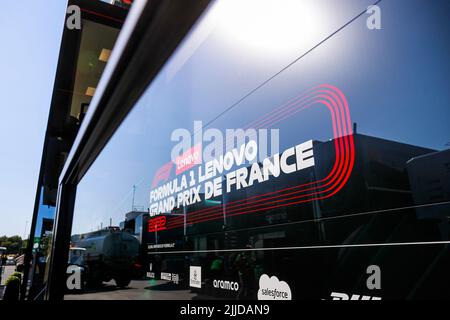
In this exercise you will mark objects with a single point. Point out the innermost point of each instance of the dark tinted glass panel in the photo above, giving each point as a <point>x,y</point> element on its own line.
<point>41,247</point>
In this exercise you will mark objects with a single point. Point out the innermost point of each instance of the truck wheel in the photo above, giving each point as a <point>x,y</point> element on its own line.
<point>122,282</point>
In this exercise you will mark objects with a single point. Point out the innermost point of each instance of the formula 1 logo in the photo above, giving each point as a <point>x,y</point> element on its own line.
<point>73,21</point>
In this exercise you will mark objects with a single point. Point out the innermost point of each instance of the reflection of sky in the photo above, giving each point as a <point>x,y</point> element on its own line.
<point>396,81</point>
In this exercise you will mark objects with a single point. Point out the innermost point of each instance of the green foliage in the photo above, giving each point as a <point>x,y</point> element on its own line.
<point>12,244</point>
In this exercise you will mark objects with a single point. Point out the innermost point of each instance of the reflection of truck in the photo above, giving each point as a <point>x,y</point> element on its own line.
<point>110,254</point>
<point>76,259</point>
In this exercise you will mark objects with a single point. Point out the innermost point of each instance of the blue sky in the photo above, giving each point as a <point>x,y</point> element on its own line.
<point>395,79</point>
<point>30,32</point>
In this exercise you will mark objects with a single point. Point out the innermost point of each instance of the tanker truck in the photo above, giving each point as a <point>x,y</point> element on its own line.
<point>110,254</point>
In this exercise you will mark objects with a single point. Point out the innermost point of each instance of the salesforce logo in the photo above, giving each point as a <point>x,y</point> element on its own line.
<point>273,289</point>
<point>195,277</point>
<point>226,285</point>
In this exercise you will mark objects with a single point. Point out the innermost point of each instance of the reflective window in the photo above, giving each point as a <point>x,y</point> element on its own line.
<point>285,151</point>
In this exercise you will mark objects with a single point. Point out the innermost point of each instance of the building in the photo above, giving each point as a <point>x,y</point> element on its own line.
<point>82,59</point>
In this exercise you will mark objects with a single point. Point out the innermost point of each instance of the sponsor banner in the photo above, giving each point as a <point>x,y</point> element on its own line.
<point>157,224</point>
<point>344,296</point>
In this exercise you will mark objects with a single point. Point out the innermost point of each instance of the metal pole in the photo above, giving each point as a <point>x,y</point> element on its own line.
<point>1,266</point>
<point>25,231</point>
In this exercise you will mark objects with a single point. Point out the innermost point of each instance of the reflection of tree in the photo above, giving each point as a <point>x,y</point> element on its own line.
<point>13,244</point>
<point>44,244</point>
<point>245,265</point>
